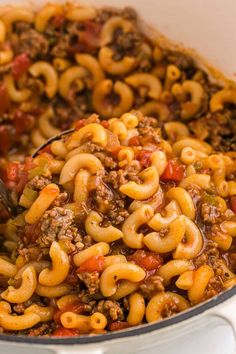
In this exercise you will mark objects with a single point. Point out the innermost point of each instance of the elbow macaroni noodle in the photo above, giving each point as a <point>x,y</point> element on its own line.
<point>49,74</point>
<point>44,16</point>
<point>101,234</point>
<point>16,323</point>
<point>195,90</point>
<point>145,190</point>
<point>26,289</point>
<point>170,241</point>
<point>136,309</point>
<point>158,302</point>
<point>146,80</point>
<point>113,67</point>
<point>72,75</point>
<point>117,272</point>
<point>140,216</point>
<point>111,25</point>
<point>94,68</point>
<point>15,94</point>
<point>102,91</point>
<point>60,267</point>
<point>17,14</point>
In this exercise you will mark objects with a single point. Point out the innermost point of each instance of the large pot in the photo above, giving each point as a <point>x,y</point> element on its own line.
<point>207,328</point>
<point>209,26</point>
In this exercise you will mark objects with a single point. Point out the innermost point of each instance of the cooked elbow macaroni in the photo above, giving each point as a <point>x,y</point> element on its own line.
<point>116,272</point>
<point>49,74</point>
<point>106,88</point>
<point>145,190</point>
<point>101,234</point>
<point>60,267</point>
<point>113,67</point>
<point>43,17</point>
<point>159,303</point>
<point>26,289</point>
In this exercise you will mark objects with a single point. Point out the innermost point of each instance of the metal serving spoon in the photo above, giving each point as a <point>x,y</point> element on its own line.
<point>6,202</point>
<point>50,140</point>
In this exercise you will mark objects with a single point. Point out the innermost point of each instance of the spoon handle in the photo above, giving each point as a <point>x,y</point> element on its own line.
<point>50,140</point>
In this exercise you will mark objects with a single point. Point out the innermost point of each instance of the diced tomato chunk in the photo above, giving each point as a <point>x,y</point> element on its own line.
<point>89,39</point>
<point>20,65</point>
<point>134,141</point>
<point>65,332</point>
<point>233,203</point>
<point>118,325</point>
<point>22,122</point>
<point>93,264</point>
<point>174,171</point>
<point>17,174</point>
<point>146,260</point>
<point>144,157</point>
<point>105,124</point>
<point>80,123</point>
<point>22,182</point>
<point>23,175</point>
<point>4,99</point>
<point>6,138</point>
<point>90,35</point>
<point>30,233</point>
<point>12,171</point>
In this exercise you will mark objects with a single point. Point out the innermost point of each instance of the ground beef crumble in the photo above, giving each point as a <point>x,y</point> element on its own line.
<point>118,214</point>
<point>116,178</point>
<point>195,192</point>
<point>60,49</point>
<point>107,161</point>
<point>42,330</point>
<point>61,199</point>
<point>91,147</point>
<point>170,309</point>
<point>151,285</point>
<point>19,308</point>
<point>103,197</point>
<point>126,44</point>
<point>150,135</point>
<point>56,224</point>
<point>91,281</point>
<point>38,183</point>
<point>111,309</point>
<point>214,287</point>
<point>218,129</point>
<point>88,241</point>
<point>209,255</point>
<point>210,213</point>
<point>31,42</point>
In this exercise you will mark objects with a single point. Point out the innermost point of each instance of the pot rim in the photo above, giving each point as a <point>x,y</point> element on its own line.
<point>139,330</point>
